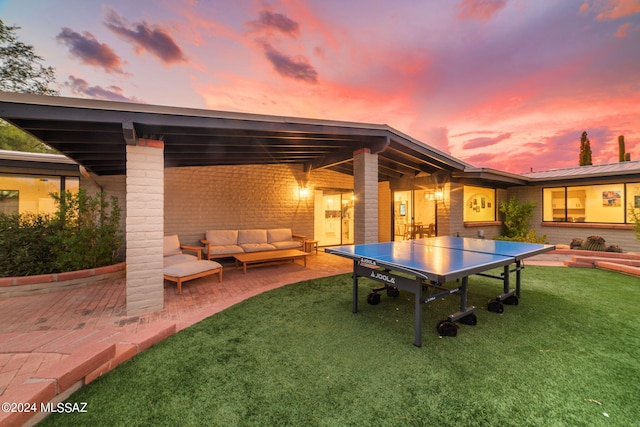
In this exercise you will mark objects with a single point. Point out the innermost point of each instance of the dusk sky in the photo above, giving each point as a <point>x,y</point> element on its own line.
<point>504,84</point>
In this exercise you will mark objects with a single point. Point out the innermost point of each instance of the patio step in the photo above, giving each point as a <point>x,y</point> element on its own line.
<point>621,268</point>
<point>84,364</point>
<point>598,254</point>
<point>595,260</point>
<point>629,264</point>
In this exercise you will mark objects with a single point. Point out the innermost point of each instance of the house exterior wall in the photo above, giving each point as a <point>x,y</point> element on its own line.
<point>385,207</point>
<point>563,233</point>
<point>198,199</point>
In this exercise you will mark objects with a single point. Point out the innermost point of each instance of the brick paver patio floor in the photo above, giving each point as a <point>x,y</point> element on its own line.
<point>37,331</point>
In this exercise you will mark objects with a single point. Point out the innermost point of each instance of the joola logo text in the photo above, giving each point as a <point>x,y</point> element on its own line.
<point>368,261</point>
<point>383,277</point>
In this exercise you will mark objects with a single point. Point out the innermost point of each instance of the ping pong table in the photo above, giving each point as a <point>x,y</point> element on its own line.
<point>433,262</point>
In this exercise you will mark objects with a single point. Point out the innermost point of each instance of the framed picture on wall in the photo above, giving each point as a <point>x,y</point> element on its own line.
<point>636,201</point>
<point>612,199</point>
<point>403,209</point>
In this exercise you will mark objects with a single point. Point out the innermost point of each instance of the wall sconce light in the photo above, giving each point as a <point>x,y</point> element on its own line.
<point>439,194</point>
<point>303,193</point>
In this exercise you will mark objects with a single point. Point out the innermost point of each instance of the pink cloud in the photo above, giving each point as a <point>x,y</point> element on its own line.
<point>276,22</point>
<point>151,38</point>
<point>294,67</point>
<point>90,51</point>
<point>623,30</point>
<point>485,141</point>
<point>82,88</point>
<point>482,10</point>
<point>616,9</point>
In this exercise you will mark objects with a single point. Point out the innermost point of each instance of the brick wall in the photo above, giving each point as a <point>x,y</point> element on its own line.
<point>365,167</point>
<point>242,197</point>
<point>144,228</point>
<point>385,204</point>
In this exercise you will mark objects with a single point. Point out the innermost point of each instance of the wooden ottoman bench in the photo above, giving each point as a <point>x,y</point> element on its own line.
<point>189,270</point>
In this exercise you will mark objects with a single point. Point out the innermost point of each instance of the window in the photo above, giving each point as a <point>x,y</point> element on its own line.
<point>633,199</point>
<point>479,204</point>
<point>603,203</point>
<point>32,193</point>
<point>9,201</point>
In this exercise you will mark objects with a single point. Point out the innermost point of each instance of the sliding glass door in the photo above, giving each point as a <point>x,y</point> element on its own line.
<point>414,214</point>
<point>333,217</point>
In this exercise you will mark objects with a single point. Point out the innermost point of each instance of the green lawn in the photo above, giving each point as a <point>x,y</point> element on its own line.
<point>568,355</point>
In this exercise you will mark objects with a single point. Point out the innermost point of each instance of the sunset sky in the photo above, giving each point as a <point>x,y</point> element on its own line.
<point>504,84</point>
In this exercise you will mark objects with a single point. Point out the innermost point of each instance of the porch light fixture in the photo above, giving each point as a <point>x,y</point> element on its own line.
<point>303,193</point>
<point>437,195</point>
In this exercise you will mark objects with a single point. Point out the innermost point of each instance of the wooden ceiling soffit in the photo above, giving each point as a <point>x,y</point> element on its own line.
<point>376,145</point>
<point>425,163</point>
<point>394,169</point>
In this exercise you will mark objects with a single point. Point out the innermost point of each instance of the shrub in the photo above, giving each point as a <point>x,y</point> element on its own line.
<point>23,244</point>
<point>517,222</point>
<point>529,237</point>
<point>594,243</point>
<point>87,231</point>
<point>576,243</point>
<point>83,233</point>
<point>634,213</point>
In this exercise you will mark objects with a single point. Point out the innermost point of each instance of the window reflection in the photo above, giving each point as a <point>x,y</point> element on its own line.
<point>32,193</point>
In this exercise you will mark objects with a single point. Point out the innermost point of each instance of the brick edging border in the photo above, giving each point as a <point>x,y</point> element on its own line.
<point>44,283</point>
<point>57,382</point>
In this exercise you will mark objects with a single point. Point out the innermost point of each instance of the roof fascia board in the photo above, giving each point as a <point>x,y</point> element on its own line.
<point>493,175</point>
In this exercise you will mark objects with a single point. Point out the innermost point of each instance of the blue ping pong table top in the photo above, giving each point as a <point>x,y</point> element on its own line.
<point>518,250</point>
<point>439,259</point>
<point>428,262</point>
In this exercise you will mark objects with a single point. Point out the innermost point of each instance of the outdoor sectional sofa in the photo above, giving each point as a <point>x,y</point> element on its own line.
<point>227,243</point>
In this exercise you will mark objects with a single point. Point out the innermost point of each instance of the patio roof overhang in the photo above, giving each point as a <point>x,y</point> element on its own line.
<point>95,134</point>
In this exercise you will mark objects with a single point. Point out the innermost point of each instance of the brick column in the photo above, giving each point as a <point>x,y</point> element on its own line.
<point>145,226</point>
<point>365,182</point>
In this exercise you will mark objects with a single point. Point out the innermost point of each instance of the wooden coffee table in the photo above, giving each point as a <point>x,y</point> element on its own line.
<point>269,257</point>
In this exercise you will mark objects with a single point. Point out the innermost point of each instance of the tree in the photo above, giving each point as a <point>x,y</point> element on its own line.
<point>21,71</point>
<point>623,156</point>
<point>13,139</point>
<point>585,150</point>
<point>20,68</point>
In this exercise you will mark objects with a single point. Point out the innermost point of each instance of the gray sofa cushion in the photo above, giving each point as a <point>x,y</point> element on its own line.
<point>257,247</point>
<point>252,236</point>
<point>171,245</point>
<point>279,235</point>
<point>282,238</point>
<point>222,237</point>
<point>188,268</point>
<point>287,244</point>
<point>180,258</point>
<point>225,250</point>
